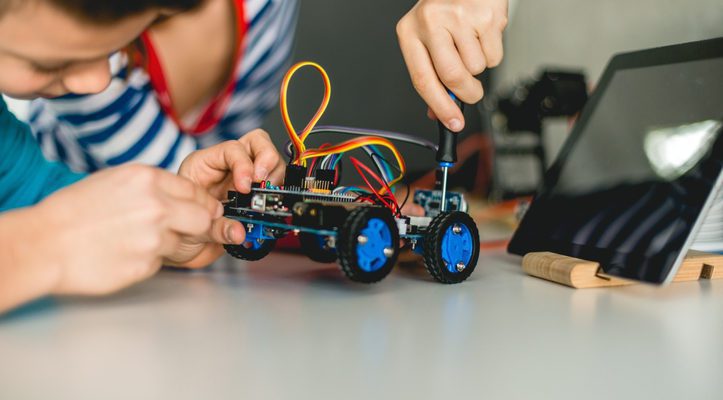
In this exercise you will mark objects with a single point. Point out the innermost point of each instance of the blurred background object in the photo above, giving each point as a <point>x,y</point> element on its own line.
<point>518,117</point>
<point>357,44</point>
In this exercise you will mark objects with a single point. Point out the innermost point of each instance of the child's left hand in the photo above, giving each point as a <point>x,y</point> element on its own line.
<point>231,165</point>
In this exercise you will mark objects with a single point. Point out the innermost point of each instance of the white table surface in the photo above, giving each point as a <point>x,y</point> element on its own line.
<point>287,328</point>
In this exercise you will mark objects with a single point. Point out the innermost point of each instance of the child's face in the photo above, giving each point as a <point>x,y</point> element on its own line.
<point>45,52</point>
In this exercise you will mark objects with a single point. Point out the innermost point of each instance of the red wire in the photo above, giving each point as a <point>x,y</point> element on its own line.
<point>390,203</point>
<point>376,177</point>
<point>357,165</point>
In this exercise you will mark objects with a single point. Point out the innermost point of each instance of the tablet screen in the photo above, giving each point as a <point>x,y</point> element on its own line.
<point>636,173</point>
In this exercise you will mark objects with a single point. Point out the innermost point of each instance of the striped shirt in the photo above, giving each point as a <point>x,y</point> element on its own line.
<point>126,122</point>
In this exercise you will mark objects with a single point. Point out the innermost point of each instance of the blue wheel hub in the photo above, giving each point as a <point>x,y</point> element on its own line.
<point>457,248</point>
<point>321,241</point>
<point>373,242</point>
<point>256,236</point>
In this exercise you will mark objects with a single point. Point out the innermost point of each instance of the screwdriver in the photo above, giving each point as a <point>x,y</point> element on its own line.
<point>447,151</point>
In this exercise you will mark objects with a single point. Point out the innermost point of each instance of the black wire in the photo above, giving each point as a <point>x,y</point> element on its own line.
<point>376,164</point>
<point>406,198</point>
<point>387,162</point>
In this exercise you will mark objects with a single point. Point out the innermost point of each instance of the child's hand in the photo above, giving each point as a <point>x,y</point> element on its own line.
<point>231,165</point>
<point>446,43</point>
<point>116,227</point>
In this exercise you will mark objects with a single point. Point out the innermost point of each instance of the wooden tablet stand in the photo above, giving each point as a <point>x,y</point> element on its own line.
<point>581,274</point>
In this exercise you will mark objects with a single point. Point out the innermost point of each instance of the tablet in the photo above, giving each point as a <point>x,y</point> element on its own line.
<point>640,169</point>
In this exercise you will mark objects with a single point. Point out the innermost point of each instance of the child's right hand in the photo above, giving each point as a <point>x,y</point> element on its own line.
<point>114,228</point>
<point>445,44</point>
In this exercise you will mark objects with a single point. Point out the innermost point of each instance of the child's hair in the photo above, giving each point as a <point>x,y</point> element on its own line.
<point>105,11</point>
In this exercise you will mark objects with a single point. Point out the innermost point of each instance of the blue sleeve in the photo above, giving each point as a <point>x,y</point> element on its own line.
<point>26,177</point>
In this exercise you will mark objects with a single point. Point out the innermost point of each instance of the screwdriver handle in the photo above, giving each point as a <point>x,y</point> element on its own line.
<point>447,151</point>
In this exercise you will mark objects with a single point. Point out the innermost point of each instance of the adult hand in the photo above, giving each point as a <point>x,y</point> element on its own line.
<point>445,44</point>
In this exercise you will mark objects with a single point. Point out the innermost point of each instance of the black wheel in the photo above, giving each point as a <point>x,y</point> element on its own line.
<point>368,244</point>
<point>451,247</point>
<point>316,247</point>
<point>251,251</point>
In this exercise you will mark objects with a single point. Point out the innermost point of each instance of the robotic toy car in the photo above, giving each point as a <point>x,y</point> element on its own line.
<point>362,229</point>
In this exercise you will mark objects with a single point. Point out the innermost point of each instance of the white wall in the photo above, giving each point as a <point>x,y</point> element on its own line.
<point>587,32</point>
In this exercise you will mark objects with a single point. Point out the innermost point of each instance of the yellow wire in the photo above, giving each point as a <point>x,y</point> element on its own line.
<point>355,144</point>
<point>299,139</point>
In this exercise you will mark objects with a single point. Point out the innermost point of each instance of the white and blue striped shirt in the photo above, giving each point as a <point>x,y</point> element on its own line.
<point>125,122</point>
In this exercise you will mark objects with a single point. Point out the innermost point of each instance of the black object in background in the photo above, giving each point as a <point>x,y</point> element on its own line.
<point>640,168</point>
<point>521,111</point>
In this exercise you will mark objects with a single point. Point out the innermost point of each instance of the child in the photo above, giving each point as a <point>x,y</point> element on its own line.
<point>118,226</point>
<point>193,79</point>
<point>211,74</point>
<point>107,231</point>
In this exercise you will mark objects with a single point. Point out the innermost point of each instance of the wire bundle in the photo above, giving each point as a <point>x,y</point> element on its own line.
<point>329,156</point>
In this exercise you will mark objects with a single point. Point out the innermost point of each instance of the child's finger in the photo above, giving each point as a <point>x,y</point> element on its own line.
<point>431,115</point>
<point>427,84</point>
<point>187,217</point>
<point>213,164</point>
<point>226,231</point>
<point>264,154</point>
<point>277,175</point>
<point>451,70</point>
<point>233,157</point>
<point>182,189</point>
<point>491,42</point>
<point>470,50</point>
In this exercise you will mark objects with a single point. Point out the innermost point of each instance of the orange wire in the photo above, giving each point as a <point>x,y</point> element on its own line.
<point>298,138</point>
<point>355,144</point>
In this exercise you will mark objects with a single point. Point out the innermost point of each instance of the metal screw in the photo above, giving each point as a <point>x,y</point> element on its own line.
<point>414,243</point>
<point>388,252</point>
<point>260,241</point>
<point>361,239</point>
<point>457,229</point>
<point>461,266</point>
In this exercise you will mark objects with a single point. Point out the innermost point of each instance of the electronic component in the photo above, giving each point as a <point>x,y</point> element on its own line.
<point>362,228</point>
<point>295,175</point>
<point>326,178</point>
<point>431,201</point>
<point>318,215</point>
